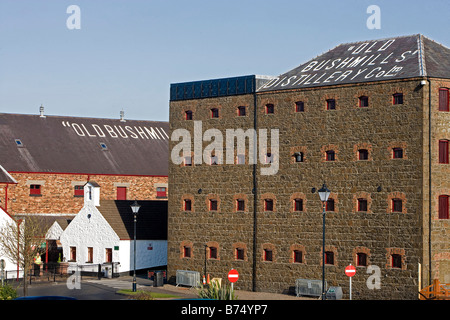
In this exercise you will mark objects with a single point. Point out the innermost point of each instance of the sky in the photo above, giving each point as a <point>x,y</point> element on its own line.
<point>126,53</point>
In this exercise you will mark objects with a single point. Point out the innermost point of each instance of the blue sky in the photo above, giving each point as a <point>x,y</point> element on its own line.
<point>128,52</point>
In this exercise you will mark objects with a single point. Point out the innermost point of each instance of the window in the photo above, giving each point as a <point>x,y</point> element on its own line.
<point>298,256</point>
<point>363,102</point>
<point>269,158</point>
<point>213,204</point>
<point>240,159</point>
<point>397,205</point>
<point>268,205</point>
<point>329,257</point>
<point>188,161</point>
<point>363,154</point>
<point>19,142</point>
<point>443,207</point>
<point>268,255</point>
<point>240,254</point>
<point>242,111</point>
<point>212,252</point>
<point>443,151</point>
<point>108,255</point>
<point>35,190</point>
<point>78,191</point>
<point>121,193</point>
<point>362,205</point>
<point>90,257</point>
<point>361,259</point>
<point>73,253</point>
<point>214,113</point>
<point>331,104</point>
<point>329,206</point>
<point>298,157</point>
<point>299,106</point>
<point>397,98</point>
<point>396,261</point>
<point>214,160</point>
<point>330,155</point>
<point>298,205</point>
<point>187,205</point>
<point>161,192</point>
<point>103,146</point>
<point>189,115</point>
<point>240,205</point>
<point>444,99</point>
<point>397,153</point>
<point>270,109</point>
<point>186,252</point>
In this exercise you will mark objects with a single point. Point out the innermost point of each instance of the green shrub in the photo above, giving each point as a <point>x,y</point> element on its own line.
<point>7,292</point>
<point>215,291</point>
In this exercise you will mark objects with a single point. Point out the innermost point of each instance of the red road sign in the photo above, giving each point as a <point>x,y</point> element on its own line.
<point>233,275</point>
<point>350,271</point>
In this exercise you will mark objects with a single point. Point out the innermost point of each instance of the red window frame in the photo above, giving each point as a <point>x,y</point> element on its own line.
<point>298,256</point>
<point>361,259</point>
<point>268,255</point>
<point>240,205</point>
<point>240,254</point>
<point>330,155</point>
<point>298,205</point>
<point>161,192</point>
<point>214,113</point>
<point>443,151</point>
<point>270,108</point>
<point>212,252</point>
<point>108,255</point>
<point>35,189</point>
<point>444,207</point>
<point>189,115</point>
<point>187,205</point>
<point>186,251</point>
<point>444,99</point>
<point>397,98</point>
<point>397,153</point>
<point>363,102</point>
<point>213,205</point>
<point>329,257</point>
<point>363,154</point>
<point>78,191</point>
<point>396,261</point>
<point>330,205</point>
<point>397,205</point>
<point>121,193</point>
<point>362,205</point>
<point>299,106</point>
<point>242,111</point>
<point>268,204</point>
<point>73,253</point>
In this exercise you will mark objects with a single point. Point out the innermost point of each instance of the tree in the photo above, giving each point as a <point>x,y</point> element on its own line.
<point>20,241</point>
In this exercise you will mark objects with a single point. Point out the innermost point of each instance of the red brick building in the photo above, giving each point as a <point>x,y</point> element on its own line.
<point>52,157</point>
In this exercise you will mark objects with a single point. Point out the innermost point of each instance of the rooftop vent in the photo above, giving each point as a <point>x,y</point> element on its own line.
<point>41,111</point>
<point>122,116</point>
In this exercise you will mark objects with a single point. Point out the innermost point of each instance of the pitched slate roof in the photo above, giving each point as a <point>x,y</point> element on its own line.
<point>151,219</point>
<point>366,61</point>
<point>57,144</point>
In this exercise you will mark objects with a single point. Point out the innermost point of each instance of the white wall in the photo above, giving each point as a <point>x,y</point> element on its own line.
<point>145,258</point>
<point>10,266</point>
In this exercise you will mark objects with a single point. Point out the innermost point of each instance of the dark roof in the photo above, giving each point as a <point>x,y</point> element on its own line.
<point>83,145</point>
<point>5,177</point>
<point>367,61</point>
<point>151,219</point>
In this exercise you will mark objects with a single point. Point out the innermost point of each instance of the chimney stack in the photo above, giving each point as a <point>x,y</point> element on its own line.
<point>41,111</point>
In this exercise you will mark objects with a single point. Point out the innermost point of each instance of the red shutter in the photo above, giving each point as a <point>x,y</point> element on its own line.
<point>121,193</point>
<point>443,207</point>
<point>443,99</point>
<point>443,151</point>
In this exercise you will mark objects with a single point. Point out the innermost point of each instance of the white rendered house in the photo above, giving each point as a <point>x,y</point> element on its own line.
<point>102,233</point>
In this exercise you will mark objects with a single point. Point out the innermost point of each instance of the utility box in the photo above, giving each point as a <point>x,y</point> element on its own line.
<point>334,293</point>
<point>158,279</point>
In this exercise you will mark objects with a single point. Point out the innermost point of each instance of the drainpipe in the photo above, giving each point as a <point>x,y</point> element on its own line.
<point>255,193</point>
<point>429,181</point>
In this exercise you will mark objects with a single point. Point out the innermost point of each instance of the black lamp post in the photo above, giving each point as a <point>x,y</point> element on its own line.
<point>324,193</point>
<point>135,208</point>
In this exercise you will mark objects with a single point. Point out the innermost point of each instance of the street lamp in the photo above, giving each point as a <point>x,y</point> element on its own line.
<point>324,193</point>
<point>135,208</point>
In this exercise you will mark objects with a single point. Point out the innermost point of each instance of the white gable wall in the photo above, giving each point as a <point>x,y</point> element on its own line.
<point>150,254</point>
<point>10,266</point>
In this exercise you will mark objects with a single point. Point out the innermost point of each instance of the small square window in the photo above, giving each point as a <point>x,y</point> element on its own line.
<point>298,256</point>
<point>186,251</point>
<point>363,102</point>
<point>398,98</point>
<point>361,259</point>
<point>161,192</point>
<point>299,106</point>
<point>268,204</point>
<point>329,257</point>
<point>78,191</point>
<point>397,205</point>
<point>187,205</point>
<point>19,142</point>
<point>242,111</point>
<point>189,115</point>
<point>214,160</point>
<point>298,205</point>
<point>212,252</point>
<point>239,254</point>
<point>396,261</point>
<point>268,255</point>
<point>213,205</point>
<point>330,155</point>
<point>269,158</point>
<point>103,146</point>
<point>240,205</point>
<point>397,153</point>
<point>214,113</point>
<point>298,157</point>
<point>363,154</point>
<point>331,104</point>
<point>270,109</point>
<point>362,205</point>
<point>329,206</point>
<point>35,189</point>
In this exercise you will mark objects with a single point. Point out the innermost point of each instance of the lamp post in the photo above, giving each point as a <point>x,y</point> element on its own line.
<point>135,208</point>
<point>324,193</point>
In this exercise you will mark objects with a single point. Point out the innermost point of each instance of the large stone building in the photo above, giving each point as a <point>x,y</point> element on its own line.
<point>370,118</point>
